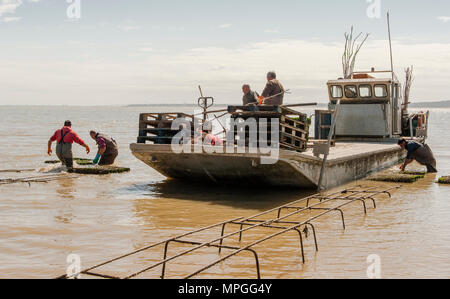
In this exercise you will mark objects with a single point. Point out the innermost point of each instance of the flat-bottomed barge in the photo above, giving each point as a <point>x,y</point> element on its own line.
<point>347,161</point>
<point>355,137</point>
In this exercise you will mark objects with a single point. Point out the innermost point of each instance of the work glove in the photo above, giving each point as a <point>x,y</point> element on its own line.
<point>97,158</point>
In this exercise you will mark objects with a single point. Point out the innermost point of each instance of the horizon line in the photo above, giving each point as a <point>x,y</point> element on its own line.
<point>175,104</point>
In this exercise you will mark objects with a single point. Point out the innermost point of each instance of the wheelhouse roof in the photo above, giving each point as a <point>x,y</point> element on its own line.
<point>358,81</point>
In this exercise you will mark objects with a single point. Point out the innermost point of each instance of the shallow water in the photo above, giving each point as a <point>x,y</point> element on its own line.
<point>102,217</point>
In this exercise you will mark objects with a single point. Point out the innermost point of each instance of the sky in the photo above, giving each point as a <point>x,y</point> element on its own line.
<point>120,52</point>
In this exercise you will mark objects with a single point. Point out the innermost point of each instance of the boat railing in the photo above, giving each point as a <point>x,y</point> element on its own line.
<point>293,126</point>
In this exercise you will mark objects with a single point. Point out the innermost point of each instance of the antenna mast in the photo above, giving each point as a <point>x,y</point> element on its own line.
<point>393,78</point>
<point>390,46</point>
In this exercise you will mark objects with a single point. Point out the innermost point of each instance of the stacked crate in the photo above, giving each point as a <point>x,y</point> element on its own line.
<point>294,130</point>
<point>293,125</point>
<point>157,127</point>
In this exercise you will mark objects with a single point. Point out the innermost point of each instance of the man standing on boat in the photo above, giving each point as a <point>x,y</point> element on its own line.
<point>65,137</point>
<point>250,97</point>
<point>273,93</point>
<point>419,152</point>
<point>107,149</point>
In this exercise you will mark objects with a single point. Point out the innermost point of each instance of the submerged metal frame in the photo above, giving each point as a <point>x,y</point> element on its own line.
<point>280,223</point>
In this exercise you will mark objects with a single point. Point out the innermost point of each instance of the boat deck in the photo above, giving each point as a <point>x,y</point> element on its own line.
<point>346,150</point>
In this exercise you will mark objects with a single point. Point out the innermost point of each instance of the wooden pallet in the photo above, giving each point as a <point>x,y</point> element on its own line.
<point>157,127</point>
<point>294,125</point>
<point>293,129</point>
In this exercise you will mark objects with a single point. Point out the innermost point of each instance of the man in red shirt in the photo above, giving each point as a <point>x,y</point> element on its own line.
<point>64,138</point>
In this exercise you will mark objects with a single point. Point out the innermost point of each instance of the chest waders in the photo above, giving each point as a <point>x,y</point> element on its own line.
<point>423,155</point>
<point>111,152</point>
<point>64,151</point>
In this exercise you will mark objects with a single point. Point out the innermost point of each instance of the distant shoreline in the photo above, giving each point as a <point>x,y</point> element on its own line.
<point>438,104</point>
<point>167,105</point>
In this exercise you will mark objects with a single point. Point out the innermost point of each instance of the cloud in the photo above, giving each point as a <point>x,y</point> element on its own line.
<point>10,19</point>
<point>145,49</point>
<point>444,19</point>
<point>225,26</point>
<point>128,27</point>
<point>9,6</point>
<point>271,31</point>
<point>302,66</point>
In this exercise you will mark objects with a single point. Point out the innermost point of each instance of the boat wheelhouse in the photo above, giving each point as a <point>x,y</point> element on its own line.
<point>370,107</point>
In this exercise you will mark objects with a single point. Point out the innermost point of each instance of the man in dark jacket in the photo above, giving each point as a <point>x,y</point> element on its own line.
<point>273,93</point>
<point>419,152</point>
<point>107,149</point>
<point>250,97</point>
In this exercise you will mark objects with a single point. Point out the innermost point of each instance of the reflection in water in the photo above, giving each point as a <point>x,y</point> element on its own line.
<point>64,216</point>
<point>65,190</point>
<point>260,198</point>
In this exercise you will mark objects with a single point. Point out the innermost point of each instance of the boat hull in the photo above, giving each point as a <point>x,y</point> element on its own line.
<point>347,162</point>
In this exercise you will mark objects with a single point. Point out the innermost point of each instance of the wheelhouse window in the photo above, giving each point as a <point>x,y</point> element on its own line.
<point>336,91</point>
<point>380,91</point>
<point>350,91</point>
<point>365,91</point>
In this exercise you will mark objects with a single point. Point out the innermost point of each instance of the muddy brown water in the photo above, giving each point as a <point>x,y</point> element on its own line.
<point>102,217</point>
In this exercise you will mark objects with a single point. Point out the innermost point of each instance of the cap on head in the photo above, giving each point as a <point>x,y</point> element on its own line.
<point>401,141</point>
<point>67,123</point>
<point>271,75</point>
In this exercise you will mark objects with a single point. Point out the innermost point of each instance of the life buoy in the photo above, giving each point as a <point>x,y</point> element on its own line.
<point>421,120</point>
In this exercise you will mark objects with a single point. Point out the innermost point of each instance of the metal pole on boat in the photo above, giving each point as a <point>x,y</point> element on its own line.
<point>286,106</point>
<point>330,137</point>
<point>220,123</point>
<point>204,103</point>
<point>426,127</point>
<point>392,73</point>
<point>411,129</point>
<point>390,47</point>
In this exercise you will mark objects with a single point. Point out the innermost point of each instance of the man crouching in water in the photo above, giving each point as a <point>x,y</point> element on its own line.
<point>421,153</point>
<point>65,137</point>
<point>107,149</point>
